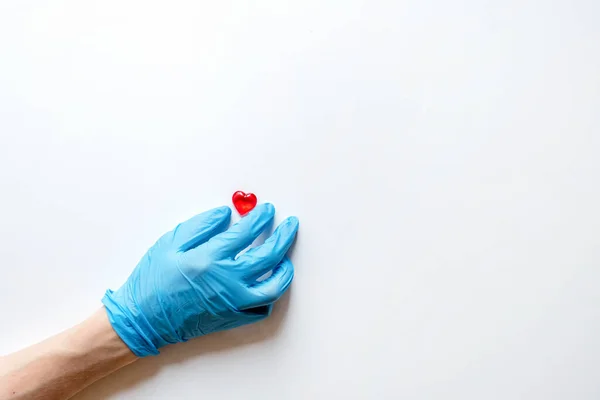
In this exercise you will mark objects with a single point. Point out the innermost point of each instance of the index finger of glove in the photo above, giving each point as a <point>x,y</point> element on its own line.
<point>242,234</point>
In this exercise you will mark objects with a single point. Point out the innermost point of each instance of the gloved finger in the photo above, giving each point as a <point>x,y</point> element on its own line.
<point>242,234</point>
<point>260,260</point>
<point>201,228</point>
<point>272,288</point>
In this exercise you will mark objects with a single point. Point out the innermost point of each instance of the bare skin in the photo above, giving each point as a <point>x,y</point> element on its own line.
<point>61,366</point>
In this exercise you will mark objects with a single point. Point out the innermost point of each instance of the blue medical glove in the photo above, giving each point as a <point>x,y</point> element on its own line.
<point>190,283</point>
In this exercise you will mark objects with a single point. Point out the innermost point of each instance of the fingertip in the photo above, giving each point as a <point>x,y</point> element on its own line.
<point>288,228</point>
<point>222,213</point>
<point>287,264</point>
<point>223,210</point>
<point>268,208</point>
<point>293,221</point>
<point>285,272</point>
<point>262,211</point>
<point>285,275</point>
<point>272,288</point>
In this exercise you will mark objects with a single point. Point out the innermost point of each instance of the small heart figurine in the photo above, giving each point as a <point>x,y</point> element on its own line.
<point>244,202</point>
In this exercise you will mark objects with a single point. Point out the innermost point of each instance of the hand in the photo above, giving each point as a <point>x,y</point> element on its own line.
<point>190,283</point>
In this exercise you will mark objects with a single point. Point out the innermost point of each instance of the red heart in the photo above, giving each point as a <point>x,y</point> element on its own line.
<point>243,202</point>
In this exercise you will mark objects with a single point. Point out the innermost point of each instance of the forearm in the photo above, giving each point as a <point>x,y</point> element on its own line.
<point>61,366</point>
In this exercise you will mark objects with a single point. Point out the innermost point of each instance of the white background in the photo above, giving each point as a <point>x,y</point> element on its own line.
<point>442,157</point>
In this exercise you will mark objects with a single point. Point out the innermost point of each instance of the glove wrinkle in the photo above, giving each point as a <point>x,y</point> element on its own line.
<point>174,295</point>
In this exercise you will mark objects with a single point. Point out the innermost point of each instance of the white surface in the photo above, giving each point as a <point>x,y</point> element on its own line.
<point>442,158</point>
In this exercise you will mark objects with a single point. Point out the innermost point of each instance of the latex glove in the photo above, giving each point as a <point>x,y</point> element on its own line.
<point>190,283</point>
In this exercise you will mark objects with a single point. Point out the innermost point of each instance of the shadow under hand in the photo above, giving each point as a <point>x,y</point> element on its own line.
<point>131,376</point>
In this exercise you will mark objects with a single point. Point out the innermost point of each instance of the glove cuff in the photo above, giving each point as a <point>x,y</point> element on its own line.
<point>125,326</point>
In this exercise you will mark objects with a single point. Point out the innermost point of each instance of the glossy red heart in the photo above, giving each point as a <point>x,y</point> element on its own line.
<point>244,202</point>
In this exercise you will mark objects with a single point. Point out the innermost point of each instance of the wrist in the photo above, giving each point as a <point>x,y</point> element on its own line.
<point>136,333</point>
<point>96,340</point>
